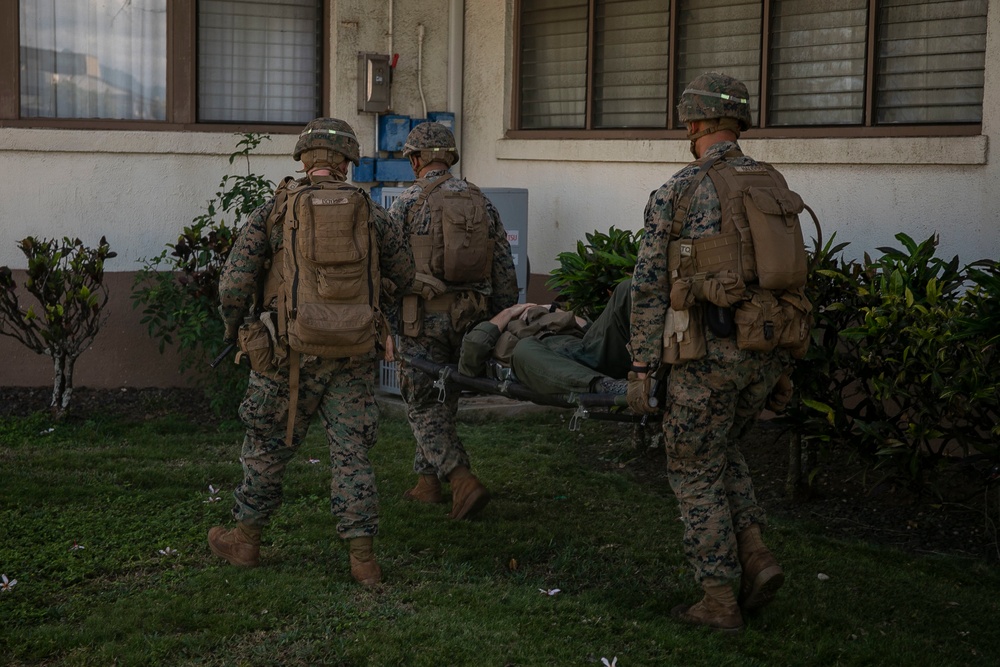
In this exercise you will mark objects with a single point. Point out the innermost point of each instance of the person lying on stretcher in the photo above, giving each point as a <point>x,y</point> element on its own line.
<point>552,351</point>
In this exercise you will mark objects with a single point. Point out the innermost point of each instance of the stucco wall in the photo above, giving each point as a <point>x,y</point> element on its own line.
<point>865,191</point>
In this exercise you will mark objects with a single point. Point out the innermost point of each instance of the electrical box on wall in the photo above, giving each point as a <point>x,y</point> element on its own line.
<point>374,76</point>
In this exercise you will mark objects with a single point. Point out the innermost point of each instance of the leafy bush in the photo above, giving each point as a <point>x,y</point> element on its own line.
<point>66,278</point>
<point>586,278</point>
<point>178,289</point>
<point>903,366</point>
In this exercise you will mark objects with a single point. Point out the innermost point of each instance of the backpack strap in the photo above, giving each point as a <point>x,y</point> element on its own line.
<point>426,192</point>
<point>680,213</point>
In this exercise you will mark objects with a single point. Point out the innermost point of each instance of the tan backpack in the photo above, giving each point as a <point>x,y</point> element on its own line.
<point>326,273</point>
<point>458,249</point>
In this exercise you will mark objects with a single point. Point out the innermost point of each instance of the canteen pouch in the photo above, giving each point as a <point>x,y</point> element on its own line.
<point>759,322</point>
<point>796,311</point>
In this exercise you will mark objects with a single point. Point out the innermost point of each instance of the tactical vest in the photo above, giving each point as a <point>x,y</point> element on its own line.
<point>457,248</point>
<point>756,264</point>
<point>325,274</point>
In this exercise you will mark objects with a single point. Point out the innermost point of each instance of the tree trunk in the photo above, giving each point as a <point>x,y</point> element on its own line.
<point>62,386</point>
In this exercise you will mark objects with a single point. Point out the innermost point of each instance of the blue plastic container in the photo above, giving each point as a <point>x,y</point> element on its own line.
<point>364,172</point>
<point>392,131</point>
<point>446,118</point>
<point>393,170</point>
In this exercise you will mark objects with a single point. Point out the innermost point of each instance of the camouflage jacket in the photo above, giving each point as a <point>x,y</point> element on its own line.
<point>501,289</point>
<point>650,282</point>
<point>246,266</point>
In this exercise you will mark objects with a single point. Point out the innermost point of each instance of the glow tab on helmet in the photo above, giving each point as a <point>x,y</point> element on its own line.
<point>326,131</point>
<point>724,96</point>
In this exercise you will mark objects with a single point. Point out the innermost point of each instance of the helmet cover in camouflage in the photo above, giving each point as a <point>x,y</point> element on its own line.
<point>331,133</point>
<point>432,138</point>
<point>715,95</point>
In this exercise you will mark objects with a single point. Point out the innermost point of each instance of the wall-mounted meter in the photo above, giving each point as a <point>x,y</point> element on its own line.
<point>374,76</point>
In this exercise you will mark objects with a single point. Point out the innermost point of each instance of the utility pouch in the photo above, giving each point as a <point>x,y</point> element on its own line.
<point>759,322</point>
<point>255,344</point>
<point>719,320</point>
<point>796,310</point>
<point>411,312</point>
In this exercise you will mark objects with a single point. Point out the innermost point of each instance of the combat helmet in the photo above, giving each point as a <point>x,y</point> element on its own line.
<point>432,141</point>
<point>715,95</point>
<point>331,133</point>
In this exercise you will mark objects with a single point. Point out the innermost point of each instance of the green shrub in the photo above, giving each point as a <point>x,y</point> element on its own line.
<point>66,278</point>
<point>178,289</point>
<point>586,278</point>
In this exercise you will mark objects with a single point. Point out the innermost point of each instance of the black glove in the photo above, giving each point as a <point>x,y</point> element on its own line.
<point>638,394</point>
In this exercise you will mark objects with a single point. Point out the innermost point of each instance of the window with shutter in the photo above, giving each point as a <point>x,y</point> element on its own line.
<point>720,36</point>
<point>554,63</point>
<point>817,63</point>
<point>871,67</point>
<point>931,61</point>
<point>631,63</point>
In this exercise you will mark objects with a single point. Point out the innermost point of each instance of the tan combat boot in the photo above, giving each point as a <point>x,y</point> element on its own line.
<point>717,610</point>
<point>240,545</point>
<point>364,567</point>
<point>427,490</point>
<point>762,576</point>
<point>468,495</point>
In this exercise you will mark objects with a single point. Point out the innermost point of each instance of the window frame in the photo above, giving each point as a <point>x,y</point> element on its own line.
<point>182,81</point>
<point>776,132</point>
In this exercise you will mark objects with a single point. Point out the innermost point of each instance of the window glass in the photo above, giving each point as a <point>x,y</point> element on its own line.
<point>631,63</point>
<point>817,63</point>
<point>553,63</point>
<point>97,59</point>
<point>931,61</point>
<point>720,36</point>
<point>259,61</point>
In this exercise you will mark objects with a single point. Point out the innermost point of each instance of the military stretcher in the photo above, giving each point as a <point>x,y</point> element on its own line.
<point>609,407</point>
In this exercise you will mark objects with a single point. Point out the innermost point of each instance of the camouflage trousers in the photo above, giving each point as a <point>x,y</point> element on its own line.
<point>439,449</point>
<point>714,402</point>
<point>341,393</point>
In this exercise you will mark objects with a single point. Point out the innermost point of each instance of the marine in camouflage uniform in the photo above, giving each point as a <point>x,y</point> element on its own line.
<point>440,455</point>
<point>339,390</point>
<point>714,400</point>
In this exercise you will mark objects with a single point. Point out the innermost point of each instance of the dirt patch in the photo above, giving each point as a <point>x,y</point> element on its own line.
<point>847,499</point>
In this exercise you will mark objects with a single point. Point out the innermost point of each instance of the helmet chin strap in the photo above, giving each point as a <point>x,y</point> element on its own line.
<point>718,125</point>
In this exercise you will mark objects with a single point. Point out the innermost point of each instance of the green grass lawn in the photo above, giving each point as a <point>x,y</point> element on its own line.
<point>142,588</point>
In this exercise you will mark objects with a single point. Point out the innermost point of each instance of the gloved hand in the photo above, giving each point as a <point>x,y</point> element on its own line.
<point>781,395</point>
<point>231,335</point>
<point>638,393</point>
